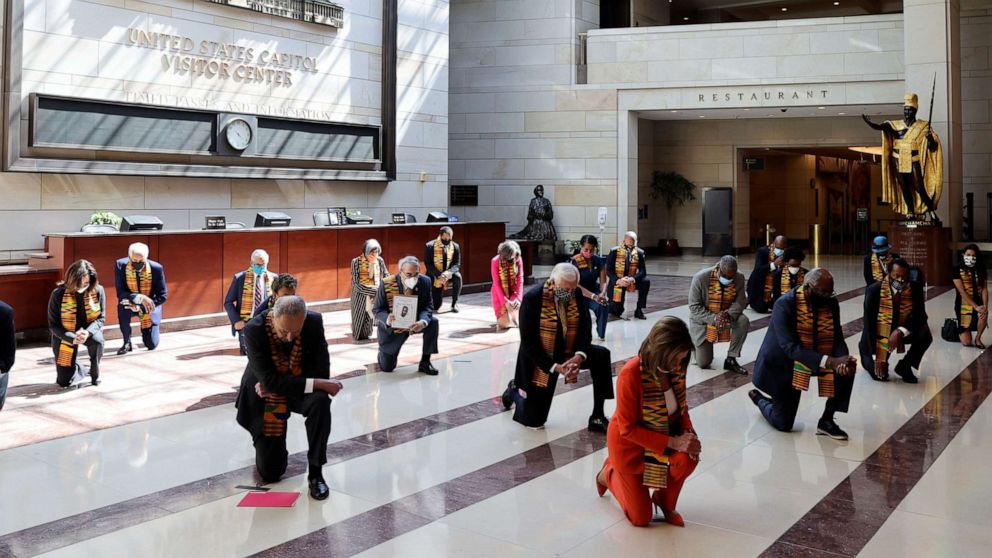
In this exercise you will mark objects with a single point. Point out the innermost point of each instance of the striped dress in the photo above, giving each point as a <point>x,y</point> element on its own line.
<point>362,299</point>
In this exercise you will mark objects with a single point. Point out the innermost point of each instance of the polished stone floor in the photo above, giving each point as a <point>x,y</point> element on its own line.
<point>147,463</point>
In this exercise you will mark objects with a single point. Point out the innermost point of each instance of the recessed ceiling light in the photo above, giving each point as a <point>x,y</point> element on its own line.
<point>835,3</point>
<point>841,113</point>
<point>820,108</point>
<point>702,116</point>
<point>674,111</point>
<point>686,18</point>
<point>785,9</point>
<point>747,109</point>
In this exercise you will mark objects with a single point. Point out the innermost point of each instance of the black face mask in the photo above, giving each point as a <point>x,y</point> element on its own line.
<point>137,265</point>
<point>446,242</point>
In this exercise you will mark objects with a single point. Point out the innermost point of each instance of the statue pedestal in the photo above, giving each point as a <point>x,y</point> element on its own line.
<point>926,247</point>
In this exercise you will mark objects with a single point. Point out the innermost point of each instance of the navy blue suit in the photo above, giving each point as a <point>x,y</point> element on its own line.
<point>159,294</point>
<point>390,341</point>
<point>779,350</point>
<point>641,280</point>
<point>232,304</point>
<point>8,346</point>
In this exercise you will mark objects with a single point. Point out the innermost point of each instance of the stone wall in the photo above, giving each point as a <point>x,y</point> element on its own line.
<point>976,106</point>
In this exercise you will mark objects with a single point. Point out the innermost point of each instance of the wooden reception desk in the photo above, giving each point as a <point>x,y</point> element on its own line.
<point>199,264</point>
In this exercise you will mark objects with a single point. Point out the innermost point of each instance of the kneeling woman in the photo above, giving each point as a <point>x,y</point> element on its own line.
<point>76,313</point>
<point>651,443</point>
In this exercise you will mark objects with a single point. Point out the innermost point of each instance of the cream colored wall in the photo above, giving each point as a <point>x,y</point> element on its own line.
<point>33,204</point>
<point>976,105</point>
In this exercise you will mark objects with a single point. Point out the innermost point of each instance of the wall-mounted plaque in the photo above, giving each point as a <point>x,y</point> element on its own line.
<point>463,195</point>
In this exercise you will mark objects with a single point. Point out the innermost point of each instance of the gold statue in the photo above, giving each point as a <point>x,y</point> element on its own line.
<point>912,163</point>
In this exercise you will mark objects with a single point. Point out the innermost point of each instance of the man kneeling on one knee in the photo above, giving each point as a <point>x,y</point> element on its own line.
<point>408,282</point>
<point>895,316</point>
<point>288,371</point>
<point>717,300</point>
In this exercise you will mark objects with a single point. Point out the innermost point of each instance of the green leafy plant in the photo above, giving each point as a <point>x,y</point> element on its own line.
<point>105,218</point>
<point>673,189</point>
<point>573,246</point>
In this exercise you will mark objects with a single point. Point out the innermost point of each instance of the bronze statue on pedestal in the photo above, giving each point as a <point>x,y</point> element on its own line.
<point>539,215</point>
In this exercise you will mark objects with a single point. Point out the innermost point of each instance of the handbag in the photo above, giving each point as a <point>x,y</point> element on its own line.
<point>949,332</point>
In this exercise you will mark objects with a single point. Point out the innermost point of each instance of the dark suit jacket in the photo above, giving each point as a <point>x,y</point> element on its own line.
<point>454,266</point>
<point>316,364</point>
<point>531,352</point>
<point>55,316</point>
<point>232,302</point>
<point>425,307</point>
<point>773,369</point>
<point>266,305</point>
<point>8,344</point>
<point>159,290</point>
<point>867,267</point>
<point>917,321</point>
<point>756,281</point>
<point>777,285</point>
<point>611,268</point>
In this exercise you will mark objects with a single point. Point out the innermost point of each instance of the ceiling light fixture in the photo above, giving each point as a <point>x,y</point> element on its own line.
<point>785,9</point>
<point>820,108</point>
<point>835,3</point>
<point>686,18</point>
<point>841,113</point>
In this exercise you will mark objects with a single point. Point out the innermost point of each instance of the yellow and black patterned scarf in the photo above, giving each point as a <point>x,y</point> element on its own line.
<point>369,275</point>
<point>142,284</point>
<point>655,417</point>
<point>440,250</point>
<point>966,315</point>
<point>718,299</point>
<point>888,320</point>
<point>549,329</point>
<point>786,284</point>
<point>277,406</point>
<point>508,277</point>
<point>770,278</point>
<point>815,333</point>
<point>623,270</point>
<point>91,300</point>
<point>248,293</point>
<point>880,266</point>
<point>582,262</point>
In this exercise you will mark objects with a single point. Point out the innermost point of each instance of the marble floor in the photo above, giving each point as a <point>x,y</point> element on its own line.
<point>148,463</point>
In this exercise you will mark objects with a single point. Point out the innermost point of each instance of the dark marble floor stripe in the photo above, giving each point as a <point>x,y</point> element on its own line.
<point>80,527</point>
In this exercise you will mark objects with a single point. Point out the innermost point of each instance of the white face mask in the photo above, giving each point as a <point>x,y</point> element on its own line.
<point>970,261</point>
<point>82,290</point>
<point>410,282</point>
<point>793,270</point>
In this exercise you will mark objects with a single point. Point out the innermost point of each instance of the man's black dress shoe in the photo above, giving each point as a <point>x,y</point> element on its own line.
<point>639,314</point>
<point>599,424</point>
<point>125,348</point>
<point>454,308</point>
<point>732,365</point>
<point>319,489</point>
<point>507,397</point>
<point>829,428</point>
<point>907,375</point>
<point>427,368</point>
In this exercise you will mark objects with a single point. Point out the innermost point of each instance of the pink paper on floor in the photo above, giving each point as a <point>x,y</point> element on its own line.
<point>269,500</point>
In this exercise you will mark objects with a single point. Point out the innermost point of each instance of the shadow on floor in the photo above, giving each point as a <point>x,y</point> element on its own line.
<point>34,391</point>
<point>214,400</point>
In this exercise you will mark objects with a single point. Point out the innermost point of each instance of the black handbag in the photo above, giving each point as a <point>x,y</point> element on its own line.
<point>950,330</point>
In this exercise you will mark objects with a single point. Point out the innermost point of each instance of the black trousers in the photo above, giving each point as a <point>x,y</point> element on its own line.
<point>918,344</point>
<point>149,336</point>
<point>271,456</point>
<point>437,295</point>
<point>643,286</point>
<point>534,409</point>
<point>781,412</point>
<point>75,373</point>
<point>390,343</point>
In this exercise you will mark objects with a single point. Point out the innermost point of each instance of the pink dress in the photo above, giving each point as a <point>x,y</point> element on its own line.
<point>500,299</point>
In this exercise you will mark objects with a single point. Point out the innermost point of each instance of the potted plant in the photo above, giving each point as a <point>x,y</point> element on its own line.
<point>672,188</point>
<point>105,218</point>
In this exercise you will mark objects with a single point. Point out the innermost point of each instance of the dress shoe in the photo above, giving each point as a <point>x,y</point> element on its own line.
<point>319,489</point>
<point>755,396</point>
<point>829,428</point>
<point>639,314</point>
<point>454,308</point>
<point>600,487</point>
<point>907,375</point>
<point>507,396</point>
<point>599,424</point>
<point>732,365</point>
<point>427,368</point>
<point>671,517</point>
<point>125,348</point>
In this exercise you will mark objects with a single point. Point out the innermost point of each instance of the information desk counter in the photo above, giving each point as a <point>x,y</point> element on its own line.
<point>199,265</point>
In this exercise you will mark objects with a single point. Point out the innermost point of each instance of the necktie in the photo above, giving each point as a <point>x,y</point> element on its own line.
<point>258,294</point>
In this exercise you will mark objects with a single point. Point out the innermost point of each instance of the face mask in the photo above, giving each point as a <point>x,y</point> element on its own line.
<point>410,282</point>
<point>258,269</point>
<point>725,282</point>
<point>562,295</point>
<point>82,290</point>
<point>970,261</point>
<point>778,252</point>
<point>793,270</point>
<point>897,285</point>
<point>137,265</point>
<point>446,242</point>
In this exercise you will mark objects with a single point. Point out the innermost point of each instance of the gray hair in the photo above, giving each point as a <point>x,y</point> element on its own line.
<point>631,234</point>
<point>408,260</point>
<point>727,262</point>
<point>289,306</point>
<point>371,245</point>
<point>813,277</point>
<point>259,253</point>
<point>508,250</point>
<point>446,230</point>
<point>139,248</point>
<point>565,271</point>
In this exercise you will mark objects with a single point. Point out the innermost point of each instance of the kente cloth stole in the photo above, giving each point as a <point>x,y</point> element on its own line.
<point>549,330</point>
<point>622,269</point>
<point>655,417</point>
<point>786,284</point>
<point>368,275</point>
<point>67,350</point>
<point>582,262</point>
<point>508,277</point>
<point>903,147</point>
<point>248,293</point>
<point>815,333</point>
<point>140,284</point>
<point>887,319</point>
<point>968,282</point>
<point>879,267</point>
<point>770,278</point>
<point>718,299</point>
<point>439,252</point>
<point>277,406</point>
<point>392,287</point>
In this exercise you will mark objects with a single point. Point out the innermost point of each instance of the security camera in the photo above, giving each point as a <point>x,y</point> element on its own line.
<point>783,110</point>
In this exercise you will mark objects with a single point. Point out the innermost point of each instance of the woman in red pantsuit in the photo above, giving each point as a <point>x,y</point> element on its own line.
<point>651,442</point>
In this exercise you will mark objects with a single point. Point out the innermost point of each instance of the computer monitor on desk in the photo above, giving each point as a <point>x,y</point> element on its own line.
<point>272,219</point>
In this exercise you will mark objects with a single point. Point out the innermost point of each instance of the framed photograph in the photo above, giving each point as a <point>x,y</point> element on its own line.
<point>405,311</point>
